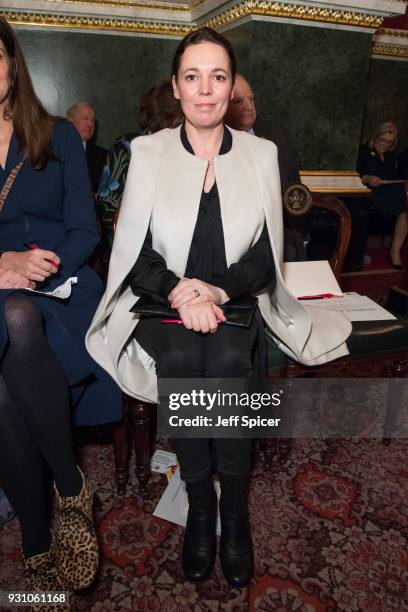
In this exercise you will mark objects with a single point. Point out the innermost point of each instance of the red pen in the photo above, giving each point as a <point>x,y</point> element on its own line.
<point>318,297</point>
<point>178,321</point>
<point>34,246</point>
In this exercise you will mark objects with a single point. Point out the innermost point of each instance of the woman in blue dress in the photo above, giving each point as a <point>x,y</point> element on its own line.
<point>47,233</point>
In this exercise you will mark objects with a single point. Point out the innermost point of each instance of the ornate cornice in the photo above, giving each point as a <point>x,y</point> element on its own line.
<point>243,9</point>
<point>152,6</point>
<point>398,33</point>
<point>96,23</point>
<point>390,43</point>
<point>390,51</point>
<point>269,8</point>
<point>134,4</point>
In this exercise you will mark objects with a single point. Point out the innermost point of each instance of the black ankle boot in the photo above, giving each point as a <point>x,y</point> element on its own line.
<point>199,545</point>
<point>236,550</point>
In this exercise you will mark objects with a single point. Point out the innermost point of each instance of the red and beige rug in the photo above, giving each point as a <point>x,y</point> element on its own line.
<point>330,530</point>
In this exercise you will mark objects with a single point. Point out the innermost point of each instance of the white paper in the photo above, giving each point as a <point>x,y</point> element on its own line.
<point>173,504</point>
<point>62,291</point>
<point>162,461</point>
<point>310,278</point>
<point>355,307</point>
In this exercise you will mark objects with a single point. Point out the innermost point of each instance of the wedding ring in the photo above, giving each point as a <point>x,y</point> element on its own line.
<point>196,293</point>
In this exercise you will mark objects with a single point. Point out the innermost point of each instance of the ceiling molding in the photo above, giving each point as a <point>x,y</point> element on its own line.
<point>391,44</point>
<point>295,11</point>
<point>129,4</point>
<point>176,18</point>
<point>386,51</point>
<point>99,24</point>
<point>396,33</point>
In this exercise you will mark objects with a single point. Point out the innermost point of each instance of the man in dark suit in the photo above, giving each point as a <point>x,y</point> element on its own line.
<point>241,115</point>
<point>82,115</point>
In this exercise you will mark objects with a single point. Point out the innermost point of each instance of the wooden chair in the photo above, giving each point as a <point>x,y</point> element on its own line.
<point>336,206</point>
<point>139,424</point>
<point>133,414</point>
<point>378,349</point>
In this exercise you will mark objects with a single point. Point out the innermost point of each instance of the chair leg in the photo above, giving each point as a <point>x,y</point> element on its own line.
<point>120,436</point>
<point>142,417</point>
<point>395,389</point>
<point>270,449</point>
<point>284,449</point>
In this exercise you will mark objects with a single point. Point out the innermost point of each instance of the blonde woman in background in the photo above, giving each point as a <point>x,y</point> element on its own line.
<point>377,165</point>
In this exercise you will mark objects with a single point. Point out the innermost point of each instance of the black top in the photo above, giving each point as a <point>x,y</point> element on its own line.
<point>369,162</point>
<point>389,200</point>
<point>206,259</point>
<point>96,158</point>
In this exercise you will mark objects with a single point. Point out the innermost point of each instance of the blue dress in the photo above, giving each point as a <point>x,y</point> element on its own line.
<point>54,209</point>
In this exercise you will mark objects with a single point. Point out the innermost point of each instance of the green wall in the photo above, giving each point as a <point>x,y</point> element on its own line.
<point>387,96</point>
<point>241,39</point>
<point>111,72</point>
<point>311,80</point>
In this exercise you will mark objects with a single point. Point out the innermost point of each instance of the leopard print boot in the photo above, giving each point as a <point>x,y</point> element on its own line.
<point>42,579</point>
<point>74,544</point>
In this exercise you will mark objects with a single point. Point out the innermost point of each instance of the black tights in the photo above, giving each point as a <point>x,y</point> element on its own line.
<point>35,423</point>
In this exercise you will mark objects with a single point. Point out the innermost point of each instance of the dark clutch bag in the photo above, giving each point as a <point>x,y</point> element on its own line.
<point>239,312</point>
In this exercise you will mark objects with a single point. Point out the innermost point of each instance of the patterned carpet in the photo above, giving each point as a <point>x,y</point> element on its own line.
<point>330,531</point>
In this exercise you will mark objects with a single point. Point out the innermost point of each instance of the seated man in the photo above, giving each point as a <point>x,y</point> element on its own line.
<point>82,116</point>
<point>241,115</point>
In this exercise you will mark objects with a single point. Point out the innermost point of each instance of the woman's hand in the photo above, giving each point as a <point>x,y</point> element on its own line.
<point>371,181</point>
<point>12,280</point>
<point>202,317</point>
<point>192,291</point>
<point>35,265</point>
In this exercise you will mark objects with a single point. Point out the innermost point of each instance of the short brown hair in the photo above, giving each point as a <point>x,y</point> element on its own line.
<point>159,108</point>
<point>31,122</point>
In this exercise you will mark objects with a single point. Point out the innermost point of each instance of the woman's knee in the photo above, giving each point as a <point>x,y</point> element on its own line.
<point>179,362</point>
<point>229,363</point>
<point>22,316</point>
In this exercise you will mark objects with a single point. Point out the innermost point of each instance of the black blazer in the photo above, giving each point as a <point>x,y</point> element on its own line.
<point>288,165</point>
<point>96,157</point>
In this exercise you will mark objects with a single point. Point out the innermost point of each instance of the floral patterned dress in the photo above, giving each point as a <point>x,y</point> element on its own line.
<point>112,181</point>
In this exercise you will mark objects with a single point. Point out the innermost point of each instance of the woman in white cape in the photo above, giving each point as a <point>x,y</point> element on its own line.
<point>201,225</point>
